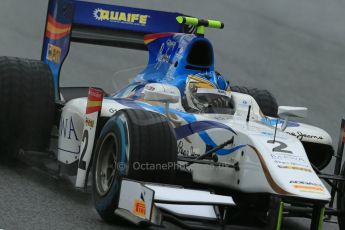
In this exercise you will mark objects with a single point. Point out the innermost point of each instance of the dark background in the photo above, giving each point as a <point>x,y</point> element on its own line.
<point>294,48</point>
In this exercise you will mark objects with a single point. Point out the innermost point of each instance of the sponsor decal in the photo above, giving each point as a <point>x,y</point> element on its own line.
<point>165,53</point>
<point>120,17</point>
<point>222,92</point>
<point>89,122</point>
<point>150,88</point>
<point>304,183</point>
<point>54,53</point>
<point>94,102</point>
<point>305,186</point>
<point>139,208</point>
<point>56,30</point>
<point>279,162</point>
<point>288,158</point>
<point>181,150</point>
<point>344,135</point>
<point>221,118</point>
<point>67,129</point>
<point>301,135</point>
<point>112,110</point>
<point>294,168</point>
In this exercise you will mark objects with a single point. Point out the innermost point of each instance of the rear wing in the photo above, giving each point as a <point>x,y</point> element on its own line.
<point>109,25</point>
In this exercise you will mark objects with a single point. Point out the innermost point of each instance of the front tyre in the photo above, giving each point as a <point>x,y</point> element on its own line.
<point>134,144</point>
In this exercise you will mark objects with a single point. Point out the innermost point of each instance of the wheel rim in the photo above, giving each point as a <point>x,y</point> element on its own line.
<point>106,165</point>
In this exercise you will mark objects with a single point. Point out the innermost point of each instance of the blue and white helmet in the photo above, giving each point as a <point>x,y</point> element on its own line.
<point>207,92</point>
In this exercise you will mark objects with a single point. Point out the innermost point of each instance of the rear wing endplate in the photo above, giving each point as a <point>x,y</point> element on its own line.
<point>101,24</point>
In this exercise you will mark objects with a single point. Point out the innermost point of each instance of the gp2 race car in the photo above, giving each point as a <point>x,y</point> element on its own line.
<point>178,143</point>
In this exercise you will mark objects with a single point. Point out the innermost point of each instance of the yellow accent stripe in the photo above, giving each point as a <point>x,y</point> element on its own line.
<point>308,187</point>
<point>193,77</point>
<point>149,40</point>
<point>309,191</point>
<point>203,85</point>
<point>94,103</point>
<point>51,28</point>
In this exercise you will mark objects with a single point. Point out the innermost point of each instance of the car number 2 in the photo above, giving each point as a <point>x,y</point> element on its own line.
<point>280,148</point>
<point>82,163</point>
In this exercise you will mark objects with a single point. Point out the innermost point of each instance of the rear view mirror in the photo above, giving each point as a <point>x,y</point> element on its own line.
<point>162,93</point>
<point>157,92</point>
<point>287,112</point>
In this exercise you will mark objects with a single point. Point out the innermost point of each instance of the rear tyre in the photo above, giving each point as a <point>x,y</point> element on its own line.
<point>268,104</point>
<point>133,144</point>
<point>28,105</point>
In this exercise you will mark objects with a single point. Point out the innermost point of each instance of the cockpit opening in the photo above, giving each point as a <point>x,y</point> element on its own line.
<point>200,54</point>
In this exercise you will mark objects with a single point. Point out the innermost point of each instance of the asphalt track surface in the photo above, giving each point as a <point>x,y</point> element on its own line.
<point>294,48</point>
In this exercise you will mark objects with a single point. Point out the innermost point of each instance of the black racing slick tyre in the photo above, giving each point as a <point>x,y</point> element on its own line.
<point>267,102</point>
<point>135,144</point>
<point>28,105</point>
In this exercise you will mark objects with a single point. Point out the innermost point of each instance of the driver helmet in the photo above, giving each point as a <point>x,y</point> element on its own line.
<point>207,92</point>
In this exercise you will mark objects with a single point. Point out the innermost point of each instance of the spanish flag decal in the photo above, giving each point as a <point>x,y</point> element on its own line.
<point>94,101</point>
<point>56,30</point>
